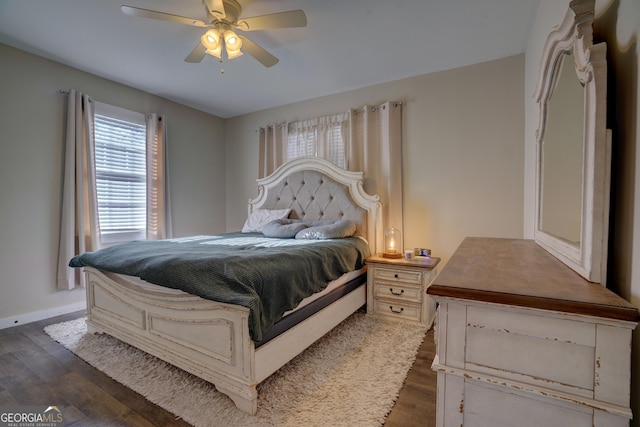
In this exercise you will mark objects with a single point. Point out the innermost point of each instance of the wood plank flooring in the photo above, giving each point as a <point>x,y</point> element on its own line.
<point>35,370</point>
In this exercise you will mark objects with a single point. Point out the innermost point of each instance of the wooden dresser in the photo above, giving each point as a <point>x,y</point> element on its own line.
<point>522,340</point>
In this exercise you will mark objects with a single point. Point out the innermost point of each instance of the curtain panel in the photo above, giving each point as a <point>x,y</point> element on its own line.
<point>79,228</point>
<point>371,142</point>
<point>159,224</point>
<point>375,147</point>
<point>272,149</point>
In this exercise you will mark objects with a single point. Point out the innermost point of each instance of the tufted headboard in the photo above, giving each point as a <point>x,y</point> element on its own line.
<point>316,189</point>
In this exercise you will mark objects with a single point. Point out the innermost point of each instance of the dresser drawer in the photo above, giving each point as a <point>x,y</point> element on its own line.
<point>398,310</point>
<point>545,351</point>
<point>397,275</point>
<point>397,291</point>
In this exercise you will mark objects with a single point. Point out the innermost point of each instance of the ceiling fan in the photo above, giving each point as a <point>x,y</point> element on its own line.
<point>223,21</point>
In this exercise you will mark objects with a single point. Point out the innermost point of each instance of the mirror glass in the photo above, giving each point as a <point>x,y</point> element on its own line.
<point>561,155</point>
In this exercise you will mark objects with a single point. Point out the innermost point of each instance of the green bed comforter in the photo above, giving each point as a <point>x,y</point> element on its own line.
<point>269,276</point>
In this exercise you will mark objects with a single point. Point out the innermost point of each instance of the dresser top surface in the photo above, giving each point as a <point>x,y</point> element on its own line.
<point>519,272</point>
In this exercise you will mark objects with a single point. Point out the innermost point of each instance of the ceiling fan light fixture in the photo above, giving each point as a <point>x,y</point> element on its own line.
<point>233,53</point>
<point>212,42</point>
<point>232,41</point>
<point>232,44</point>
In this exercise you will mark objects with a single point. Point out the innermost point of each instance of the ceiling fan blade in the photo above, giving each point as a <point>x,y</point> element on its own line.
<point>264,57</point>
<point>146,13</point>
<point>216,8</point>
<point>292,18</point>
<point>197,54</point>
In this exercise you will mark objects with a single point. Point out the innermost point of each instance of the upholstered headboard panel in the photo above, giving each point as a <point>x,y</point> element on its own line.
<point>314,196</point>
<point>315,189</point>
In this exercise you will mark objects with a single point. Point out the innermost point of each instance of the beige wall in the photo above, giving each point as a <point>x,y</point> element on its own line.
<point>618,24</point>
<point>31,158</point>
<point>462,151</point>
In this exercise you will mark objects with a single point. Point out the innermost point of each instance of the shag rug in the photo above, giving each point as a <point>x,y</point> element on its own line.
<point>350,377</point>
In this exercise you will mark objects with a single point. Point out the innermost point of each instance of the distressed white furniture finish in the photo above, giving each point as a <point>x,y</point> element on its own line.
<point>397,288</point>
<point>211,339</point>
<point>524,341</point>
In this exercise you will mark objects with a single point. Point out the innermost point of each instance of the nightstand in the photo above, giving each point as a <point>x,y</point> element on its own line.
<point>397,288</point>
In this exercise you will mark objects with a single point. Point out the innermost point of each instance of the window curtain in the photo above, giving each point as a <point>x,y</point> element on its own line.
<point>273,148</point>
<point>372,139</point>
<point>79,228</point>
<point>374,146</point>
<point>159,224</point>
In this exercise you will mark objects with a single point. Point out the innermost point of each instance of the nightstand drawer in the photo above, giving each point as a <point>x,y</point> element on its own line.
<point>399,310</point>
<point>397,291</point>
<point>398,275</point>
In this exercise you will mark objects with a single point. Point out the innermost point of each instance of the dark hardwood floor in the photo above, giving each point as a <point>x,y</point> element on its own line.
<point>35,370</point>
<point>416,405</point>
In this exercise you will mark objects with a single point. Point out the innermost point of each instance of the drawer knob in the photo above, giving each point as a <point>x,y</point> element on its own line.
<point>396,311</point>
<point>395,275</point>
<point>396,293</point>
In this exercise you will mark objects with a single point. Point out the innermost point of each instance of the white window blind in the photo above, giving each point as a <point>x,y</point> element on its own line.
<point>321,137</point>
<point>120,159</point>
<point>335,149</point>
<point>301,144</point>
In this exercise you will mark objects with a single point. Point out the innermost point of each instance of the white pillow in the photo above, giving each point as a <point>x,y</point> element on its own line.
<point>260,217</point>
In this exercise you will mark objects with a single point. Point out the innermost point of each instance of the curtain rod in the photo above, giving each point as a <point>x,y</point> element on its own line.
<point>359,110</point>
<point>67,92</point>
<point>376,107</point>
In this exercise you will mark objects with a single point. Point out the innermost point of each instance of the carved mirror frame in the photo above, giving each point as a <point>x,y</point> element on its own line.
<point>588,256</point>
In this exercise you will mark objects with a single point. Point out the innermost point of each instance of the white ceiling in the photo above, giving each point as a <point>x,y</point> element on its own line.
<point>347,44</point>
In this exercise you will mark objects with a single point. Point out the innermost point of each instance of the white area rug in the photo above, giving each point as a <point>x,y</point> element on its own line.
<point>350,377</point>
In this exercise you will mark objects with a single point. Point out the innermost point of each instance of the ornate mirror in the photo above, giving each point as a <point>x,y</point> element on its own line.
<point>574,146</point>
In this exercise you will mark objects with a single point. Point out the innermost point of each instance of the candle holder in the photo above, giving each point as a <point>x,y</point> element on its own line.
<point>392,243</point>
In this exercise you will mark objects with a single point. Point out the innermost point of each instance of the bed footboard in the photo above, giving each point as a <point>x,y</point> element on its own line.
<point>206,338</point>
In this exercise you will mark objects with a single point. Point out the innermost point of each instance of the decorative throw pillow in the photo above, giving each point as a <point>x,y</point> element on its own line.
<point>260,217</point>
<point>330,230</point>
<point>284,228</point>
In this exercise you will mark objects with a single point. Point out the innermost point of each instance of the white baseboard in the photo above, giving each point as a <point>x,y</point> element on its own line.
<point>8,322</point>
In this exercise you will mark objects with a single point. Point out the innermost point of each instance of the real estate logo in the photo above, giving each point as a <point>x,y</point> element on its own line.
<point>31,416</point>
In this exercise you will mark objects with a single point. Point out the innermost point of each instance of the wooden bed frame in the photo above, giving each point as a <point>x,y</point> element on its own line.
<point>211,339</point>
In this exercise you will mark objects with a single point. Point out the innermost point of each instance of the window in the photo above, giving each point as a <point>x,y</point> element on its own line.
<point>322,137</point>
<point>301,144</point>
<point>121,173</point>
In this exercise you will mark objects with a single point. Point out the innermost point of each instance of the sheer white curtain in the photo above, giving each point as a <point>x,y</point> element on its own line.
<point>371,141</point>
<point>79,228</point>
<point>159,224</point>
